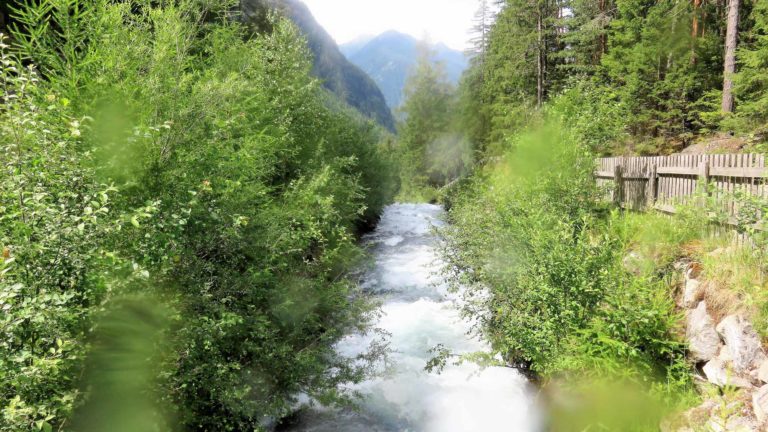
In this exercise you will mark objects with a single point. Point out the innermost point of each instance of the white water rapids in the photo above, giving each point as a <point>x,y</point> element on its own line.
<point>419,314</point>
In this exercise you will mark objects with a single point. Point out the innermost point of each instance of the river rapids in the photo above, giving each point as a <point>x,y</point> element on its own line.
<point>419,313</point>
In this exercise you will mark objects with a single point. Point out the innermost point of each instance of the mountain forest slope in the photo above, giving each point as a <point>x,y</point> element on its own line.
<point>391,56</point>
<point>339,75</point>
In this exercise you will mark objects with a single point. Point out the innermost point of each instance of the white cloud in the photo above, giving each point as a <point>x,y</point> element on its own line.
<point>447,21</point>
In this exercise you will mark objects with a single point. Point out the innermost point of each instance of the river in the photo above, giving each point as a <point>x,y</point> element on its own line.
<point>418,312</point>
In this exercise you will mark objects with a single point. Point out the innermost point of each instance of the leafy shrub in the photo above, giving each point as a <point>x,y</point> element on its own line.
<point>171,153</point>
<point>594,113</point>
<point>543,260</point>
<point>54,216</point>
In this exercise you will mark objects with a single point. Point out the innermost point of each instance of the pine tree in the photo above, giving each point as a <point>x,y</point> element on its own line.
<point>481,29</point>
<point>751,83</point>
<point>586,29</point>
<point>731,38</point>
<point>427,110</point>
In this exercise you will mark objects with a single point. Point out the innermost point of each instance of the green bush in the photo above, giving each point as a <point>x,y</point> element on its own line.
<point>170,152</point>
<point>543,259</point>
<point>53,218</point>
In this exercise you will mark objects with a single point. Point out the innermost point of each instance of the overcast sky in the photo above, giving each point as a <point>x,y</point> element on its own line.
<point>446,21</point>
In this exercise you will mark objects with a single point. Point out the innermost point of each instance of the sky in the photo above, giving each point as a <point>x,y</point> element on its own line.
<point>446,21</point>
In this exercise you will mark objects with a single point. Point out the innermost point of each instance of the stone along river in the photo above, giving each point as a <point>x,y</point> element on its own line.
<point>419,313</point>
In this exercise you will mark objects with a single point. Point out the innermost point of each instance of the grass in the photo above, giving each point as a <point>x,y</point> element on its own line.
<point>736,281</point>
<point>734,274</point>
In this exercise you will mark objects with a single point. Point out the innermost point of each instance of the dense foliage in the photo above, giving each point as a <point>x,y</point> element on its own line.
<point>342,77</point>
<point>161,150</point>
<point>559,283</point>
<point>752,78</point>
<point>653,67</point>
<point>551,257</point>
<point>543,268</point>
<point>432,145</point>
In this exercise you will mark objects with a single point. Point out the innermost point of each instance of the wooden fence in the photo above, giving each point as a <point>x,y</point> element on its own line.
<point>666,182</point>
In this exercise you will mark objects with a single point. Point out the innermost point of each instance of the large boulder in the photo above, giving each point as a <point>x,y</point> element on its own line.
<point>743,343</point>
<point>760,404</point>
<point>731,416</point>
<point>703,340</point>
<point>762,372</point>
<point>720,374</point>
<point>692,293</point>
<point>741,424</point>
<point>699,415</point>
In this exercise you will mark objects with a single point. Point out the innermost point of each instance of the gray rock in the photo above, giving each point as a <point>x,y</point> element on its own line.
<point>698,415</point>
<point>719,374</point>
<point>732,418</point>
<point>740,424</point>
<point>743,343</point>
<point>725,354</point>
<point>703,340</point>
<point>762,371</point>
<point>760,403</point>
<point>692,293</point>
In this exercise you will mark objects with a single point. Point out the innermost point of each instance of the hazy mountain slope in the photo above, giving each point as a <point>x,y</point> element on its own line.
<point>352,47</point>
<point>389,57</point>
<point>339,75</point>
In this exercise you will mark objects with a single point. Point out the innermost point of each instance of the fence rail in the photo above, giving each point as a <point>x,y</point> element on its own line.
<point>666,182</point>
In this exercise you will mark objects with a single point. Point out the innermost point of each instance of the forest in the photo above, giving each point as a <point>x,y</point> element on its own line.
<point>182,198</point>
<point>562,283</point>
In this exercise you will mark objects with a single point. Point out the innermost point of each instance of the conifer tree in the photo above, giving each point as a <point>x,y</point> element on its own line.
<point>751,83</point>
<point>427,109</point>
<point>731,38</point>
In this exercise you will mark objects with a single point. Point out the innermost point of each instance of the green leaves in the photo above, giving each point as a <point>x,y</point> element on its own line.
<point>543,265</point>
<point>174,156</point>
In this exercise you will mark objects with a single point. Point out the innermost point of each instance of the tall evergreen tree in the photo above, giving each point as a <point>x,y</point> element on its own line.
<point>481,29</point>
<point>751,83</point>
<point>585,34</point>
<point>427,110</point>
<point>731,38</point>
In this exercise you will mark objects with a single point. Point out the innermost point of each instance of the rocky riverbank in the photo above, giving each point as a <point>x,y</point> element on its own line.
<point>731,366</point>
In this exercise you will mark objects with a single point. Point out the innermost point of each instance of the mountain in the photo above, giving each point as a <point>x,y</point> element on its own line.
<point>389,57</point>
<point>338,74</point>
<point>352,47</point>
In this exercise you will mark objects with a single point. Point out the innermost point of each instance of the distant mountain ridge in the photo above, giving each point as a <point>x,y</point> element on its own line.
<point>389,57</point>
<point>352,47</point>
<point>338,74</point>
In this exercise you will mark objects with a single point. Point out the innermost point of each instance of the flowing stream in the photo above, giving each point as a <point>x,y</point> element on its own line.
<point>419,313</point>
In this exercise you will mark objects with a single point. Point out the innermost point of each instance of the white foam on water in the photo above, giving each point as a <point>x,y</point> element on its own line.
<point>394,240</point>
<point>419,315</point>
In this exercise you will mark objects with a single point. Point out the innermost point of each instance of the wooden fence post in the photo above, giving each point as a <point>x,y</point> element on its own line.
<point>618,180</point>
<point>704,176</point>
<point>652,187</point>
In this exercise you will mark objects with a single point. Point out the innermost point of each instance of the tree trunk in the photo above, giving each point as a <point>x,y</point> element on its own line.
<point>603,31</point>
<point>731,37</point>
<point>695,24</point>
<point>540,59</point>
<point>695,29</point>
